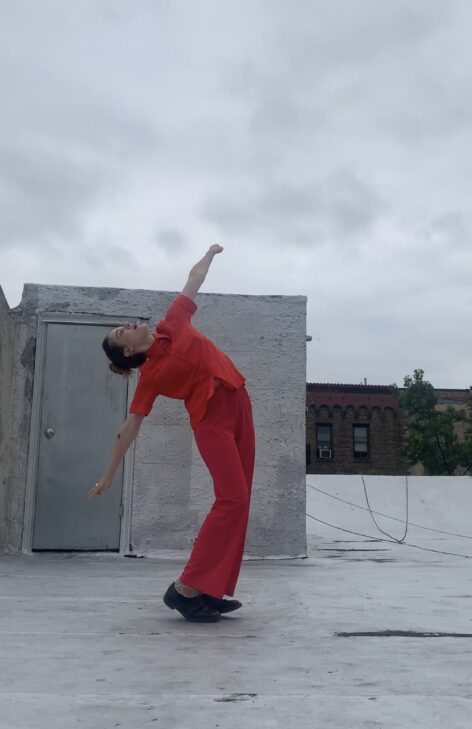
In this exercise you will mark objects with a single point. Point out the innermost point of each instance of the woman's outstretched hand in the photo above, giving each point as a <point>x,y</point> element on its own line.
<point>215,248</point>
<point>99,487</point>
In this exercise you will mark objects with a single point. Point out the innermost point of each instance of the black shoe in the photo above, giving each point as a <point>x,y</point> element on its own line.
<point>193,609</point>
<point>222,605</point>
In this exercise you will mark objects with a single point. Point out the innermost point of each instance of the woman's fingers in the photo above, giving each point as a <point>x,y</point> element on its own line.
<point>98,488</point>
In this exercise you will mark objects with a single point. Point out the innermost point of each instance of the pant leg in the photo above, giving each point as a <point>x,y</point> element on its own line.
<point>217,551</point>
<point>245,441</point>
<point>245,435</point>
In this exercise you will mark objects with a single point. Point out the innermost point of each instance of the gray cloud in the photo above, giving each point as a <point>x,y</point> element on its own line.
<point>280,115</point>
<point>265,211</point>
<point>171,240</point>
<point>43,196</point>
<point>105,253</point>
<point>327,143</point>
<point>453,227</point>
<point>340,208</point>
<point>63,145</point>
<point>365,32</point>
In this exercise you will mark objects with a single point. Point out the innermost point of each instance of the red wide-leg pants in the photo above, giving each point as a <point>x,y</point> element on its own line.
<point>226,441</point>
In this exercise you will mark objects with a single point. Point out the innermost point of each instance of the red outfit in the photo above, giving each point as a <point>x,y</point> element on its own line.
<point>182,363</point>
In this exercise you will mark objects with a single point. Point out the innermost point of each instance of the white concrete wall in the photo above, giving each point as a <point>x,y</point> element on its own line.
<point>266,337</point>
<point>439,508</point>
<point>6,351</point>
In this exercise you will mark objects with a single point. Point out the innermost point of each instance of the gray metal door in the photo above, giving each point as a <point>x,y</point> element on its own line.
<point>83,405</point>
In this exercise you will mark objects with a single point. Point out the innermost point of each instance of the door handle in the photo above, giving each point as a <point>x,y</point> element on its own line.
<point>49,433</point>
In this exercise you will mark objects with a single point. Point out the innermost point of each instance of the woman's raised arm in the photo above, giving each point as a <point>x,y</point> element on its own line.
<point>198,273</point>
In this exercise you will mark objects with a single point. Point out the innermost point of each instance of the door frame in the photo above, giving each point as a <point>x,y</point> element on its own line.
<point>34,437</point>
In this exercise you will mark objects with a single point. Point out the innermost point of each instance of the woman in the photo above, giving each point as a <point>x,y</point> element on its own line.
<point>178,361</point>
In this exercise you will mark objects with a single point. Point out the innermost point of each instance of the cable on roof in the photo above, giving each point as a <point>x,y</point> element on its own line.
<point>387,516</point>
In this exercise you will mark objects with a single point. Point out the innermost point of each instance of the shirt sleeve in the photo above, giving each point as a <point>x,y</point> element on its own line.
<point>143,399</point>
<point>181,309</point>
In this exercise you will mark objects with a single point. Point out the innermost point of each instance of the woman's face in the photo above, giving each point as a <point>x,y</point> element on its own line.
<point>131,337</point>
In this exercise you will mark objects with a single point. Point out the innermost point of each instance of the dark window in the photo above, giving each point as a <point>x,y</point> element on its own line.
<point>324,441</point>
<point>361,441</point>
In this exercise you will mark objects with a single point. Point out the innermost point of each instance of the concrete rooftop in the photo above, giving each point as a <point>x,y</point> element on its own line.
<point>87,642</point>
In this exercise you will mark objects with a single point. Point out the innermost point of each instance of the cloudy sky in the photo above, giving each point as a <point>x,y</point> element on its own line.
<point>326,145</point>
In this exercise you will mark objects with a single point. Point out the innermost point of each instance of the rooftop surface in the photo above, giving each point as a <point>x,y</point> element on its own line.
<point>87,642</point>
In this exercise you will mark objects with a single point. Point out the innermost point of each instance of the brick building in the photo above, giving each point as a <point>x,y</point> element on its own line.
<point>352,429</point>
<point>358,428</point>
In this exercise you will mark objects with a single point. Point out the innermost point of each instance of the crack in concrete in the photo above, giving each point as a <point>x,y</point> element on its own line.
<point>330,549</point>
<point>236,697</point>
<point>400,634</point>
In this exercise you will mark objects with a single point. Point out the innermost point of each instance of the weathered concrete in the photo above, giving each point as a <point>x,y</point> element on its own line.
<point>6,381</point>
<point>438,503</point>
<point>87,642</point>
<point>266,337</point>
<point>22,375</point>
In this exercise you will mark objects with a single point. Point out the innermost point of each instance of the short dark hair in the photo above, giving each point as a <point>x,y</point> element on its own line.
<point>120,364</point>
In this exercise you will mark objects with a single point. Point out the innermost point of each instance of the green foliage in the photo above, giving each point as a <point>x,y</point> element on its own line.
<point>431,438</point>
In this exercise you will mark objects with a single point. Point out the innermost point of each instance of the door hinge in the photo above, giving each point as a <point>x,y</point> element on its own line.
<point>122,510</point>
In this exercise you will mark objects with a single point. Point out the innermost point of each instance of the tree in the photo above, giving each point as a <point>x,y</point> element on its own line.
<point>431,436</point>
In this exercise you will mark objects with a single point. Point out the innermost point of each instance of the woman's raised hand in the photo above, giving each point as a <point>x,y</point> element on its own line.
<point>215,248</point>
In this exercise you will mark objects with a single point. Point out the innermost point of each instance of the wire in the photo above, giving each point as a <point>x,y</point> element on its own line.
<point>387,516</point>
<point>348,531</point>
<point>438,551</point>
<point>394,539</point>
<point>378,539</point>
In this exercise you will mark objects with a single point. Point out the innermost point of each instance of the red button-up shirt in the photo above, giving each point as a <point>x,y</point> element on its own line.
<point>182,363</point>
